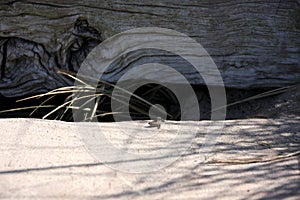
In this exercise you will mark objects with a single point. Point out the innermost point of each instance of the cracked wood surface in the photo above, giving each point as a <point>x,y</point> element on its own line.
<point>254,44</point>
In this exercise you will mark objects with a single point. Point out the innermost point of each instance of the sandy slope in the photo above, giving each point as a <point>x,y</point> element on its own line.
<point>41,159</point>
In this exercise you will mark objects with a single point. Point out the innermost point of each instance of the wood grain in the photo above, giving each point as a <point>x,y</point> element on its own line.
<point>254,44</point>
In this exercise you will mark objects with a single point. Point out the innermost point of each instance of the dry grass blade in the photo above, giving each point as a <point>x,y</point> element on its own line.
<point>262,95</point>
<point>26,108</point>
<point>48,99</point>
<point>95,107</point>
<point>72,74</point>
<point>254,160</point>
<point>131,106</point>
<point>69,103</point>
<point>103,115</point>
<point>63,90</point>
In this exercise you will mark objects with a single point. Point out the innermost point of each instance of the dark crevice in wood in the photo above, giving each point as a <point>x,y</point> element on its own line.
<point>40,15</point>
<point>10,3</point>
<point>3,62</point>
<point>32,69</point>
<point>92,7</point>
<point>150,5</point>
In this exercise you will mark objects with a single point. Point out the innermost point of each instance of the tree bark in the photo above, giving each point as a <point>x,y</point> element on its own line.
<point>254,44</point>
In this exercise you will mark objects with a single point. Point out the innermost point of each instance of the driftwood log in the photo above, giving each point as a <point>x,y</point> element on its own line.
<point>254,44</point>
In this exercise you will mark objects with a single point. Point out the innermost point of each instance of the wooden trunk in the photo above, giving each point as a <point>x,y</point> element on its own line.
<point>254,44</point>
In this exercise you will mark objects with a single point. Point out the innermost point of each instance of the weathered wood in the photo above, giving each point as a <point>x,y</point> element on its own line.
<point>254,44</point>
